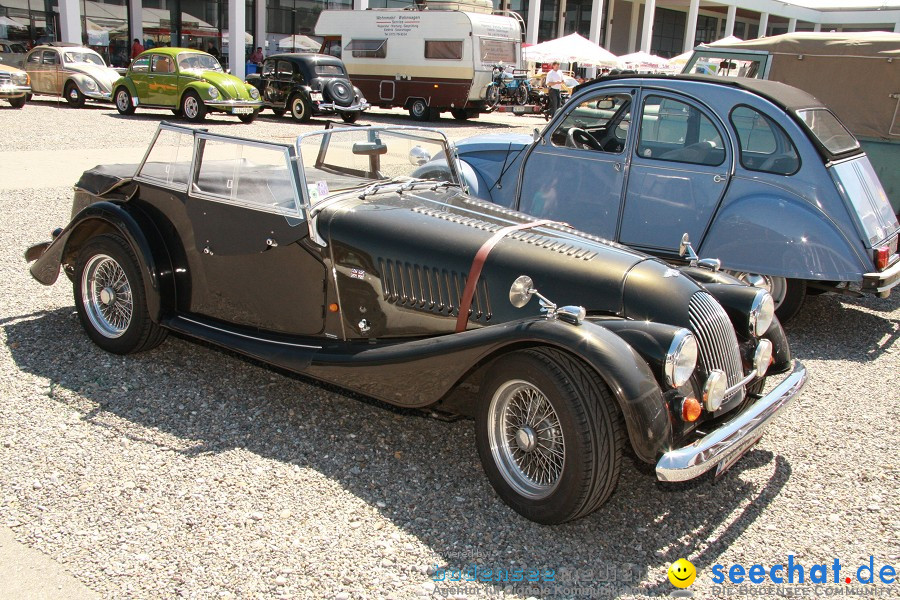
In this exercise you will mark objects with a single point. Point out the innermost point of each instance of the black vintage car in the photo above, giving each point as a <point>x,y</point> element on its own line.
<point>330,259</point>
<point>308,85</point>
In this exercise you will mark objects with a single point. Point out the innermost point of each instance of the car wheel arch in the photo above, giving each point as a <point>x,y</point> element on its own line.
<point>635,391</point>
<point>107,218</point>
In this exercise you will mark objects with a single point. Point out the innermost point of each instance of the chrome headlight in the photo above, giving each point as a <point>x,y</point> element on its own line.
<point>91,85</point>
<point>213,93</point>
<point>762,311</point>
<point>254,93</point>
<point>20,78</point>
<point>762,358</point>
<point>714,390</point>
<point>681,359</point>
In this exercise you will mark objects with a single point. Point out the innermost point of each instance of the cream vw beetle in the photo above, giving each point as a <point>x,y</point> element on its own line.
<point>72,71</point>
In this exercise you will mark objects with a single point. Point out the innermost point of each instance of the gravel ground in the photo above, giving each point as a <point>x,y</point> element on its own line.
<point>190,472</point>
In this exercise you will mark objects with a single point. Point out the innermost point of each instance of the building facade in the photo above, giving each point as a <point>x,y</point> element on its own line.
<point>663,27</point>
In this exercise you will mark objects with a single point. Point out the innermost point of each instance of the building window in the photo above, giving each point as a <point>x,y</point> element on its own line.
<point>668,32</point>
<point>706,30</point>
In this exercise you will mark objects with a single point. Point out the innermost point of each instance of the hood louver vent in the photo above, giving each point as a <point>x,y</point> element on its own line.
<point>431,290</point>
<point>529,237</point>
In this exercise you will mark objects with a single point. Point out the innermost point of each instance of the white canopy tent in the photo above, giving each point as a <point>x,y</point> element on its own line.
<point>569,49</point>
<point>301,42</point>
<point>642,61</point>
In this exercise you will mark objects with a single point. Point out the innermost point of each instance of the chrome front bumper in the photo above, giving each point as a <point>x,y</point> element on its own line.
<point>352,108</point>
<point>100,96</point>
<point>882,282</point>
<point>728,442</point>
<point>229,104</point>
<point>11,90</point>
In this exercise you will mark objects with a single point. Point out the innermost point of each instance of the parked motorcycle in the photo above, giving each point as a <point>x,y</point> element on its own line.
<point>509,88</point>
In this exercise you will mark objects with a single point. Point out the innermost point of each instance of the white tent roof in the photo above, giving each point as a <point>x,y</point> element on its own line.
<point>569,49</point>
<point>299,41</point>
<point>643,59</point>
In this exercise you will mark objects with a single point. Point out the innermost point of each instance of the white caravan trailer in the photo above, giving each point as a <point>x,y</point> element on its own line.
<point>427,60</point>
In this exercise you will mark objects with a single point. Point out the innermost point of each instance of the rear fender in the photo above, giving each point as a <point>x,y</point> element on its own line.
<point>785,237</point>
<point>126,83</point>
<point>133,226</point>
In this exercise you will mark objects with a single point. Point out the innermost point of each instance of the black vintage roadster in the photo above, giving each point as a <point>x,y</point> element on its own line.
<point>330,259</point>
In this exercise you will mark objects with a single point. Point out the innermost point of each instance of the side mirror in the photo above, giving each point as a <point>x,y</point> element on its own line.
<point>536,134</point>
<point>521,291</point>
<point>685,249</point>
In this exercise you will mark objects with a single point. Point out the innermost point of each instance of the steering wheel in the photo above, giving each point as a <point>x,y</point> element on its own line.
<point>577,137</point>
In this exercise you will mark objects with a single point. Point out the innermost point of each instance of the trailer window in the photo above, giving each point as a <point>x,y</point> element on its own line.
<point>443,49</point>
<point>367,48</point>
<point>495,51</point>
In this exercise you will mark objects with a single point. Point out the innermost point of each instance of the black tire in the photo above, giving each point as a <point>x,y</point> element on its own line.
<point>279,112</point>
<point>521,95</point>
<point>460,114</point>
<point>349,117</point>
<point>28,97</point>
<point>794,296</point>
<point>192,107</point>
<point>583,423</point>
<point>491,97</point>
<point>419,110</point>
<point>300,107</point>
<point>103,318</point>
<point>18,102</point>
<point>73,95</point>
<point>340,91</point>
<point>177,112</point>
<point>248,118</point>
<point>122,99</point>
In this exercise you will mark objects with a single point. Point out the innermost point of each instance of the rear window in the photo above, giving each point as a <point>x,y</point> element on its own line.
<point>828,130</point>
<point>329,70</point>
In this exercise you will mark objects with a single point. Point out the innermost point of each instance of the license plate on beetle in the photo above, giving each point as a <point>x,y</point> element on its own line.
<point>241,110</point>
<point>316,96</point>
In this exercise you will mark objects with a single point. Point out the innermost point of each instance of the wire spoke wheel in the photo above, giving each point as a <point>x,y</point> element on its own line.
<point>526,439</point>
<point>106,293</point>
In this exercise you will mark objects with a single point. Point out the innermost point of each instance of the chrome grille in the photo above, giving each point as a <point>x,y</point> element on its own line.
<point>4,76</point>
<point>430,289</point>
<point>716,338</point>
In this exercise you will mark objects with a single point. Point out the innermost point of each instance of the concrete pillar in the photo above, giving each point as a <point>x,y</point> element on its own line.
<point>360,4</point>
<point>632,28</point>
<point>729,20</point>
<point>763,24</point>
<point>259,32</point>
<point>609,21</point>
<point>647,31</point>
<point>561,19</point>
<point>690,28</point>
<point>534,21</point>
<point>69,21</point>
<point>136,26</point>
<point>596,15</point>
<point>237,17</point>
<point>792,25</point>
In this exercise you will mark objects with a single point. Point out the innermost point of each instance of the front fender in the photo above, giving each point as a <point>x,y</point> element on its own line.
<point>202,89</point>
<point>783,236</point>
<point>98,218</point>
<point>383,370</point>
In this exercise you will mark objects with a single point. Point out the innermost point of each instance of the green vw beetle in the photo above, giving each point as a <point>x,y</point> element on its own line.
<point>189,82</point>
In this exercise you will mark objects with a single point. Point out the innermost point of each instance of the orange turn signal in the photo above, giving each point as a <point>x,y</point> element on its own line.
<point>333,307</point>
<point>690,410</point>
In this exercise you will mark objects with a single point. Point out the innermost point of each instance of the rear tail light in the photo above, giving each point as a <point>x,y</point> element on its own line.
<point>882,257</point>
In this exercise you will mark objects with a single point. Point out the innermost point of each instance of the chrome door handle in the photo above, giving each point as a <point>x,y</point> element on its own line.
<point>617,166</point>
<point>719,178</point>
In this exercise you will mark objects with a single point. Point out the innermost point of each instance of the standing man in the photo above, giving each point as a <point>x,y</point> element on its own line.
<point>257,57</point>
<point>554,82</point>
<point>136,48</point>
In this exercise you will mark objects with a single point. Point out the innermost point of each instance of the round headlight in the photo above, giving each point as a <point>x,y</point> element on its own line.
<point>762,358</point>
<point>91,85</point>
<point>762,311</point>
<point>714,390</point>
<point>681,359</point>
<point>20,78</point>
<point>213,93</point>
<point>254,93</point>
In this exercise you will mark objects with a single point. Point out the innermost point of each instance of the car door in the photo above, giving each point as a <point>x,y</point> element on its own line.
<point>52,72</point>
<point>269,90</point>
<point>35,69</point>
<point>248,263</point>
<point>679,170</point>
<point>284,83</point>
<point>138,73</point>
<point>162,81</point>
<point>576,172</point>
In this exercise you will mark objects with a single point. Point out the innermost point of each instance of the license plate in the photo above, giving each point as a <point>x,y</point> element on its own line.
<point>317,96</point>
<point>241,110</point>
<point>518,110</point>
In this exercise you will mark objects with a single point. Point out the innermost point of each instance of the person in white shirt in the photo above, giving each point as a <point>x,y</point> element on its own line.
<point>554,82</point>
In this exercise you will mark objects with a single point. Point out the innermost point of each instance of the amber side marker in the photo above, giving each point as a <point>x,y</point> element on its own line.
<point>333,307</point>
<point>690,410</point>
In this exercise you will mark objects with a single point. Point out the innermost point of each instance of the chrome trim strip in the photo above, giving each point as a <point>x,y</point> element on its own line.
<point>740,384</point>
<point>248,337</point>
<point>882,281</point>
<point>732,438</point>
<point>353,107</point>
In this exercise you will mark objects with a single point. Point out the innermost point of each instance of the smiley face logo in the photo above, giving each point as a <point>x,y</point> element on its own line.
<point>682,573</point>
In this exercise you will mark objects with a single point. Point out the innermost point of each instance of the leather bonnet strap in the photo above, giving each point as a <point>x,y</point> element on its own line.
<point>465,302</point>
